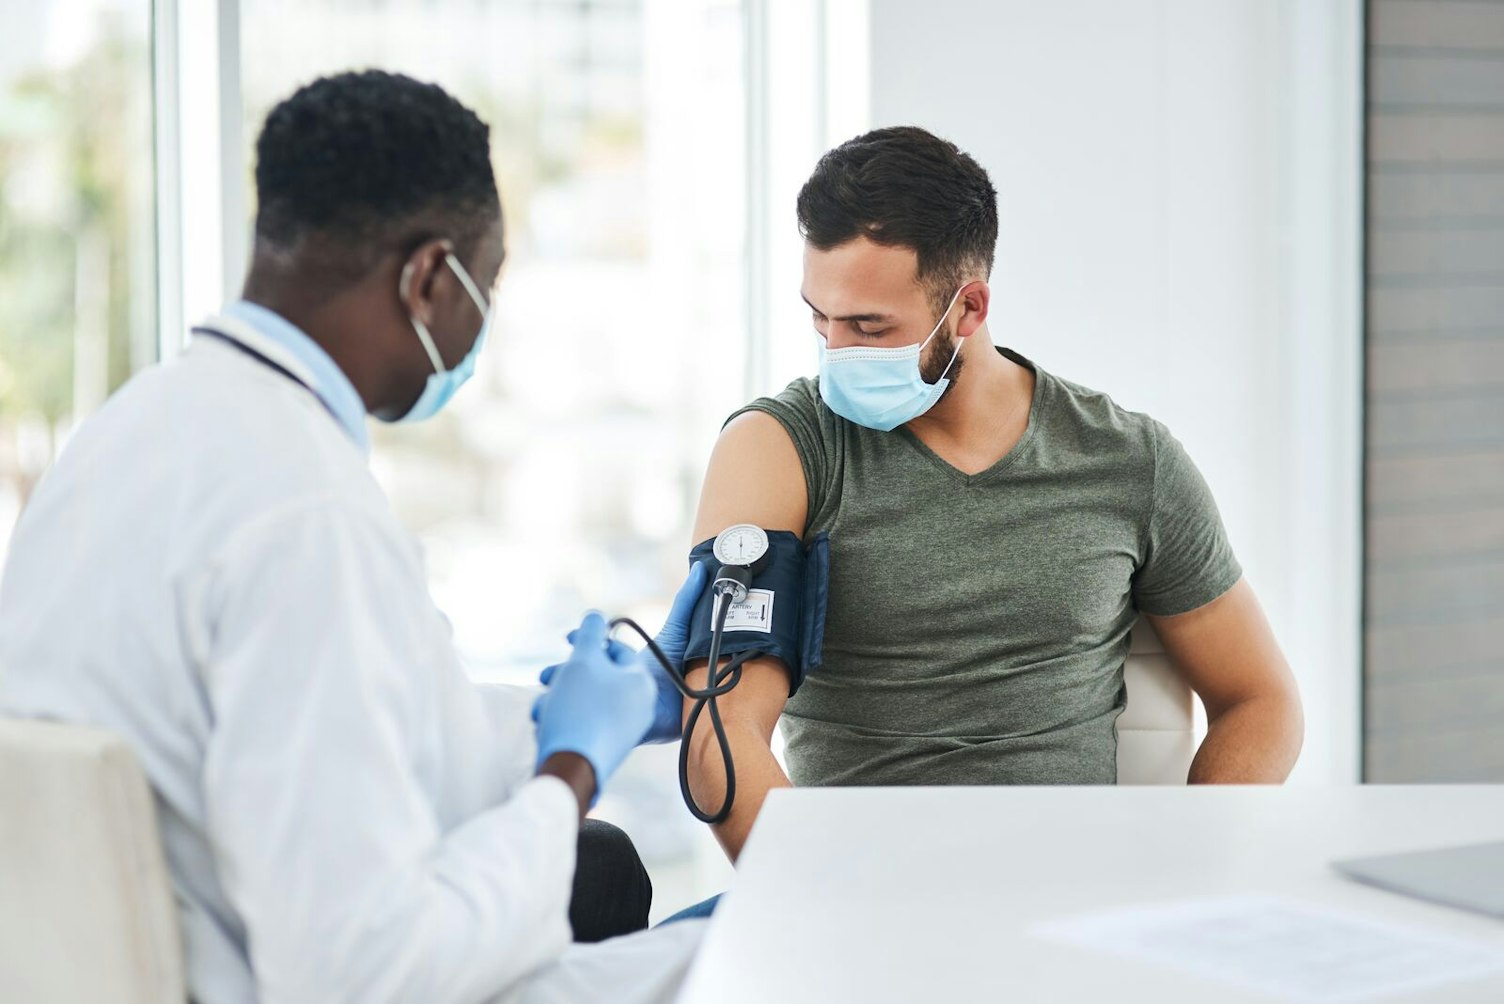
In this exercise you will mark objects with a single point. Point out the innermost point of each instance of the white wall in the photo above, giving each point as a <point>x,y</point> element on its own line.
<point>1179,198</point>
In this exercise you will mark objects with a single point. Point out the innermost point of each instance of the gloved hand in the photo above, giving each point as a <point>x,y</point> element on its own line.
<point>598,705</point>
<point>673,639</point>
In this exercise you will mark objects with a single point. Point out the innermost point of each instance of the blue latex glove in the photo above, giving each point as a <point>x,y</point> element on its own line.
<point>668,716</point>
<point>597,705</point>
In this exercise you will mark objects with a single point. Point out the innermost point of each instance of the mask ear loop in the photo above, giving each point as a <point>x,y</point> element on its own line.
<point>418,326</point>
<point>959,341</point>
<point>463,275</point>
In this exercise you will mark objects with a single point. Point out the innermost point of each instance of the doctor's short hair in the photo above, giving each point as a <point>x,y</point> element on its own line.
<point>370,163</point>
<point>905,187</point>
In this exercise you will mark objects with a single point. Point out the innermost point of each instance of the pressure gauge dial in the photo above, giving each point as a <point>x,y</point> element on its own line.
<point>743,544</point>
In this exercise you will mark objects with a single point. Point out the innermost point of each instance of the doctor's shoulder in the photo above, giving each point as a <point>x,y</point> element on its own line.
<point>205,419</point>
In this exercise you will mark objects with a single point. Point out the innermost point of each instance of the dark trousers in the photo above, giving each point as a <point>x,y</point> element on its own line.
<point>612,891</point>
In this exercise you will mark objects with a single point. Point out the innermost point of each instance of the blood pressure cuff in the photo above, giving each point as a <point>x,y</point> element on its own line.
<point>784,613</point>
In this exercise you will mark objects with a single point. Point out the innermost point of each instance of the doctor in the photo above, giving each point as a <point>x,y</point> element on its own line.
<point>211,571</point>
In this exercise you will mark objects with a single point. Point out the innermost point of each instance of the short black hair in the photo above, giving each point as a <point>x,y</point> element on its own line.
<point>373,162</point>
<point>905,187</point>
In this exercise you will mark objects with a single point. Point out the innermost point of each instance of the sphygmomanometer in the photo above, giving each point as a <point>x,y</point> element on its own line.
<point>766,597</point>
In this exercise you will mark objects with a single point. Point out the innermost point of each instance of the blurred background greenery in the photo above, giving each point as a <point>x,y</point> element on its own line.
<point>77,245</point>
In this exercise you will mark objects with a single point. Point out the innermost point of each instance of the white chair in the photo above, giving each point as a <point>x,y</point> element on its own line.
<point>86,907</point>
<point>1156,731</point>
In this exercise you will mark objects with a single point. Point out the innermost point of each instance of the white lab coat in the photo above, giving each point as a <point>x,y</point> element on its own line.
<point>211,571</point>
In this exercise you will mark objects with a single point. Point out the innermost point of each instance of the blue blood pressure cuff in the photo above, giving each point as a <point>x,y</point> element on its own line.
<point>783,615</point>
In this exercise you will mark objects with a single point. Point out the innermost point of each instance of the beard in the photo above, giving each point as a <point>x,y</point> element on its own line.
<point>937,357</point>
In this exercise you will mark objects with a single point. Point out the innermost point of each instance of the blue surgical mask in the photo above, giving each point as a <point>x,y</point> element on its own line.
<point>442,383</point>
<point>882,388</point>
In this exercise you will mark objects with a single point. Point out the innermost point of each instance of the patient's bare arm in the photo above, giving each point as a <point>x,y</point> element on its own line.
<point>754,477</point>
<point>748,714</point>
<point>1227,653</point>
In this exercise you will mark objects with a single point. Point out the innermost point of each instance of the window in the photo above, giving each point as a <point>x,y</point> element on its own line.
<point>565,475</point>
<point>77,238</point>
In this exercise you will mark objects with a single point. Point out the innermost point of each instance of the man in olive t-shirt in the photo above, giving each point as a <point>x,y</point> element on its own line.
<point>995,530</point>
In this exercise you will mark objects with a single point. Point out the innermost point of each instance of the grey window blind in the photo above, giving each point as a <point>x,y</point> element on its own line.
<point>1434,608</point>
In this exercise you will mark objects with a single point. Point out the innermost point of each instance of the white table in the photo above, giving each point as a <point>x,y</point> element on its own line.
<point>930,894</point>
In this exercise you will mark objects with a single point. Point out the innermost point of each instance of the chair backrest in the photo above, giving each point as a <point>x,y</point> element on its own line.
<point>86,907</point>
<point>1156,737</point>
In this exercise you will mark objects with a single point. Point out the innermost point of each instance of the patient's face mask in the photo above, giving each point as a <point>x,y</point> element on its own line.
<point>442,382</point>
<point>882,388</point>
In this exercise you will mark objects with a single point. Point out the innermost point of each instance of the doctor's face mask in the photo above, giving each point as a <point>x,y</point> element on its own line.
<point>442,383</point>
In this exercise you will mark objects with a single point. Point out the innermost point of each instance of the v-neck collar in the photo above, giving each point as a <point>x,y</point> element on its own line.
<point>1004,462</point>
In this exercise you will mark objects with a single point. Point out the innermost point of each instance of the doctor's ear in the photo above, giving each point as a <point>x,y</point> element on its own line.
<point>415,285</point>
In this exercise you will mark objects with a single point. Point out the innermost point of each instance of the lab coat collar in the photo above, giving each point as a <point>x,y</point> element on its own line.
<point>272,336</point>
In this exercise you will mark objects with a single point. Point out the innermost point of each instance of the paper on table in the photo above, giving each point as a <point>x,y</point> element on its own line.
<point>1292,950</point>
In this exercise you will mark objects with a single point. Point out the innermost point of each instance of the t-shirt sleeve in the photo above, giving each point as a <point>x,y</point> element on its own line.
<point>799,410</point>
<point>1188,560</point>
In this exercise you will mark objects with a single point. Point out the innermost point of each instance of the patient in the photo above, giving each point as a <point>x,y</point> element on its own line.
<point>995,529</point>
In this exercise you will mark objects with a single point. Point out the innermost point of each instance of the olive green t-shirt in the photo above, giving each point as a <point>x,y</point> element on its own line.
<point>977,625</point>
